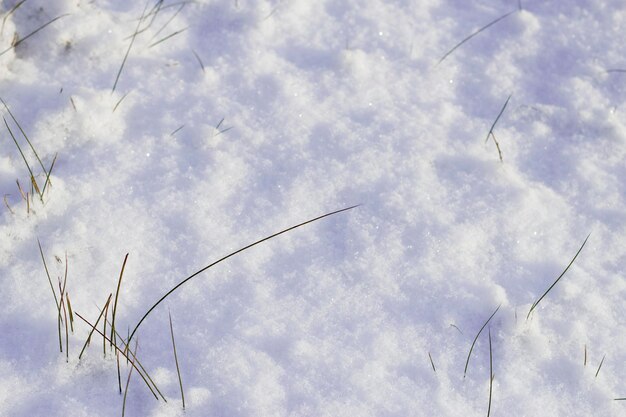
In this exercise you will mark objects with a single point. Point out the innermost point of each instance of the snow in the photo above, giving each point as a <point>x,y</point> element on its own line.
<point>301,108</point>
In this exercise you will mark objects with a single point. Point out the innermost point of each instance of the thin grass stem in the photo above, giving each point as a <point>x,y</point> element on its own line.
<point>557,280</point>
<point>490,374</point>
<point>93,328</point>
<point>171,35</point>
<point>180,380</point>
<point>117,293</point>
<point>184,281</point>
<point>600,366</point>
<point>15,44</point>
<point>132,41</point>
<point>130,372</point>
<point>476,338</point>
<point>493,22</point>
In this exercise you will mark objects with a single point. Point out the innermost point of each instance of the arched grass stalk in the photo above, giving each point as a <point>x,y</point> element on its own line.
<point>557,280</point>
<point>476,338</point>
<point>493,22</point>
<point>180,284</point>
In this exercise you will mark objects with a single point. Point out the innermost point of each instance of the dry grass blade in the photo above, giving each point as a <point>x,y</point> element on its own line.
<point>62,303</point>
<point>93,327</point>
<point>130,372</point>
<point>184,281</point>
<point>171,35</point>
<point>30,171</point>
<point>6,203</point>
<point>490,374</point>
<point>585,360</point>
<point>180,380</point>
<point>9,13</point>
<point>132,41</point>
<point>557,280</point>
<point>16,43</point>
<point>117,293</point>
<point>119,102</point>
<point>182,6</point>
<point>177,130</point>
<point>432,363</point>
<point>491,134</point>
<point>56,300</point>
<point>45,184</point>
<point>493,22</point>
<point>32,148</point>
<point>600,366</point>
<point>199,60</point>
<point>69,310</point>
<point>476,338</point>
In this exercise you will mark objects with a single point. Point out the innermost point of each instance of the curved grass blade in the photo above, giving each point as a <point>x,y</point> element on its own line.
<point>493,22</point>
<point>177,286</point>
<point>490,374</point>
<point>476,338</point>
<point>557,280</point>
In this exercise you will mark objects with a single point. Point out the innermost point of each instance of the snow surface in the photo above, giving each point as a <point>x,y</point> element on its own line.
<point>330,104</point>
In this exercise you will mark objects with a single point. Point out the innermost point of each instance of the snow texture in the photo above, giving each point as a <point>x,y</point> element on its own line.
<point>257,115</point>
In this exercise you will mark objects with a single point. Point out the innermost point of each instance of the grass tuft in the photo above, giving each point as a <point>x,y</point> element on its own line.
<point>557,280</point>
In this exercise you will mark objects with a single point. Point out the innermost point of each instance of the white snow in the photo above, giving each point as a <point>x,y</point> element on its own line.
<point>302,108</point>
